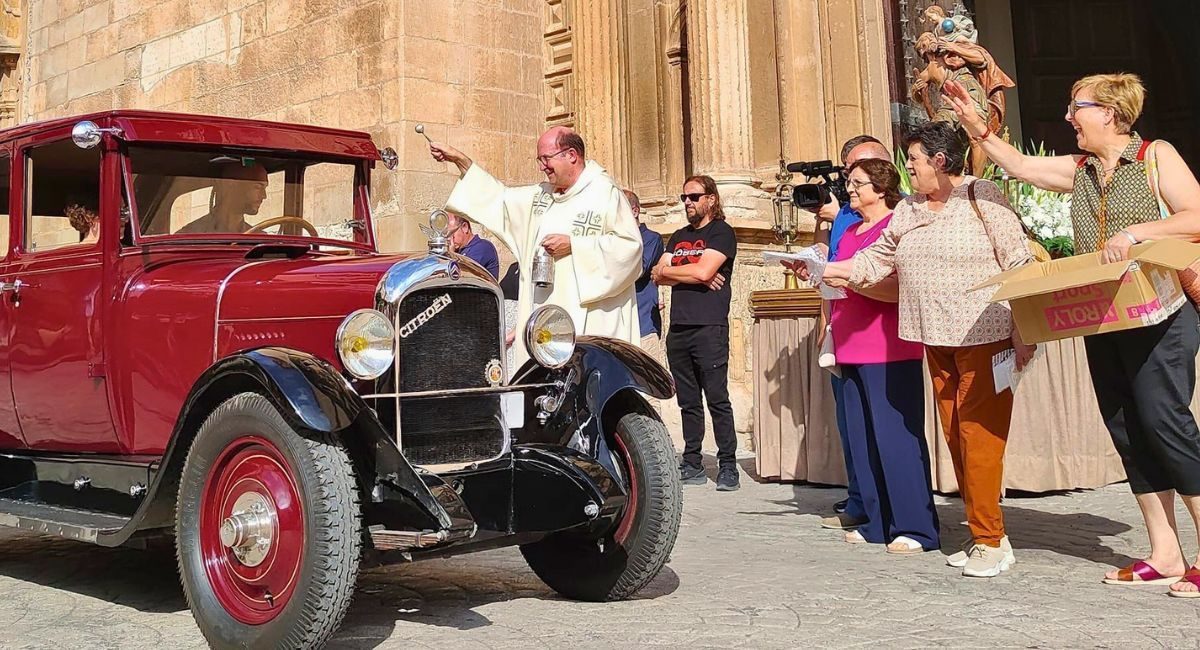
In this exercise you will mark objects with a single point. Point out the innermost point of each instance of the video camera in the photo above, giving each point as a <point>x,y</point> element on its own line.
<point>811,196</point>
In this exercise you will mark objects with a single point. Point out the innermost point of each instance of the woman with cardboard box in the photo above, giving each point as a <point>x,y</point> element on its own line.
<point>1128,190</point>
<point>953,233</point>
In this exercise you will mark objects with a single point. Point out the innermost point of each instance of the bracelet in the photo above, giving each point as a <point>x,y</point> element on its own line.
<point>986,134</point>
<point>1132,239</point>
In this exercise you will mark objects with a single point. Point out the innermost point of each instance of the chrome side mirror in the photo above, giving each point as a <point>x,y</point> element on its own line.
<point>389,157</point>
<point>86,134</point>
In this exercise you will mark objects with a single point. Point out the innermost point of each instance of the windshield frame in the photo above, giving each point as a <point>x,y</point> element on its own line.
<point>361,212</point>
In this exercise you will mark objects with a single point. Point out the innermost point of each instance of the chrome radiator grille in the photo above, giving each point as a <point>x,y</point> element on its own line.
<point>448,336</point>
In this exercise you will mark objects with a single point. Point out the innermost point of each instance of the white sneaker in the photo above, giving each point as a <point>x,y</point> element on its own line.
<point>986,562</point>
<point>959,559</point>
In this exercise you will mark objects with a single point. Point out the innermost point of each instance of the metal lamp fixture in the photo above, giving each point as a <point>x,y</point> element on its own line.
<point>786,228</point>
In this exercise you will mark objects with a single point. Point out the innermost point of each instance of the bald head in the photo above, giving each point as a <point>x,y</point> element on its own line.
<point>866,151</point>
<point>560,153</point>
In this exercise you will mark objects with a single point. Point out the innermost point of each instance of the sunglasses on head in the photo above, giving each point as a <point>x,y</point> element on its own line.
<point>694,198</point>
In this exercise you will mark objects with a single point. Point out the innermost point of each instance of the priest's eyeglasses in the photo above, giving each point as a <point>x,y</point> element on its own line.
<point>546,158</point>
<point>694,198</point>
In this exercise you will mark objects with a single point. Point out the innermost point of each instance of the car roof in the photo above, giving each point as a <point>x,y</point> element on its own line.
<point>212,130</point>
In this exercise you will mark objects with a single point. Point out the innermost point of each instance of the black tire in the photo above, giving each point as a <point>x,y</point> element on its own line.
<point>326,568</point>
<point>603,569</point>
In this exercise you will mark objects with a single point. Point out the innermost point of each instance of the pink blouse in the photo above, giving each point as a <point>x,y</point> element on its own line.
<point>866,330</point>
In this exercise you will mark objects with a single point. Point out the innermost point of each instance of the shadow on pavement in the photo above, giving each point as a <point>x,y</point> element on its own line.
<point>445,593</point>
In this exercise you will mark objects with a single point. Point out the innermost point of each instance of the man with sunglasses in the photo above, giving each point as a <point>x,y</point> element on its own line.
<point>578,216</point>
<point>465,242</point>
<point>697,265</point>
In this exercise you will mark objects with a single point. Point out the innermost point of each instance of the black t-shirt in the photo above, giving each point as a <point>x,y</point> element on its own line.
<point>695,304</point>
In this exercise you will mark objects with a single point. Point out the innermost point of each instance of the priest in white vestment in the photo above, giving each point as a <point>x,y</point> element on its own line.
<point>579,216</point>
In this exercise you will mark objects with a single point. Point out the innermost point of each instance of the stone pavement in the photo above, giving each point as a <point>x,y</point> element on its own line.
<point>752,569</point>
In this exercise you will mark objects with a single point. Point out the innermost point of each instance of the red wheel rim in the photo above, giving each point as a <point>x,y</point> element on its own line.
<point>630,513</point>
<point>252,585</point>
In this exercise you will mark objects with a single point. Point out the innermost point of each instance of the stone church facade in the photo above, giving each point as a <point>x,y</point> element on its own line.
<point>660,89</point>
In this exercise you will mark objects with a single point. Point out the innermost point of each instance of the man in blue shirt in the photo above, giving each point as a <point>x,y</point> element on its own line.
<point>465,242</point>
<point>849,514</point>
<point>649,311</point>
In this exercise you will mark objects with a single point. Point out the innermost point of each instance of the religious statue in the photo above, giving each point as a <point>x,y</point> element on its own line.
<point>951,53</point>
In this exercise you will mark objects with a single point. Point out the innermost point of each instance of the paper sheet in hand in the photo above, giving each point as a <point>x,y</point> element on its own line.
<point>1004,371</point>
<point>815,260</point>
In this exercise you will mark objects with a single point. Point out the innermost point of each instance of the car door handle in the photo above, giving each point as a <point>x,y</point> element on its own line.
<point>15,286</point>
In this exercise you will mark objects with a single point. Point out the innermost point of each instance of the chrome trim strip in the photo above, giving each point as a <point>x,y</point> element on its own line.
<point>282,319</point>
<point>499,390</point>
<point>221,296</point>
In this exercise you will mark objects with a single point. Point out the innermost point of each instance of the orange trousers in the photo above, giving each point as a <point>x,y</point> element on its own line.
<point>975,421</point>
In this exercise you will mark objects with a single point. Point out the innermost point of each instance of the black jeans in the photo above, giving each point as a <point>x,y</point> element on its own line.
<point>1144,380</point>
<point>699,359</point>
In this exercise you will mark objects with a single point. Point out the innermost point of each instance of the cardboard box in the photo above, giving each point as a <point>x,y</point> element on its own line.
<point>1077,296</point>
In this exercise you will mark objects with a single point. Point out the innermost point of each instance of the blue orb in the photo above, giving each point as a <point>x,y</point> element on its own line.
<point>947,25</point>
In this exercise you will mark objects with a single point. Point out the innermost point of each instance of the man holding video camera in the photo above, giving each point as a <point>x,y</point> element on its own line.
<point>833,219</point>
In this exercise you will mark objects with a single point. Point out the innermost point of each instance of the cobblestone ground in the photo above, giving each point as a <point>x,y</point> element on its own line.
<point>751,569</point>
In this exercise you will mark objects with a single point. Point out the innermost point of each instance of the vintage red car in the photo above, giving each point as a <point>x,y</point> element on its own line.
<point>201,339</point>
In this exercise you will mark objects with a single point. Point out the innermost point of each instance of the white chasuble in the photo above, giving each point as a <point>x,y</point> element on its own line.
<point>595,281</point>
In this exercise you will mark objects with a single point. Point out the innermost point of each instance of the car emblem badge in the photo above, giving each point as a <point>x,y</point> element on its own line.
<point>494,372</point>
<point>452,271</point>
<point>439,303</point>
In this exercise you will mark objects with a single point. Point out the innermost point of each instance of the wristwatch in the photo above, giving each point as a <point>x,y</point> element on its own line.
<point>1132,239</point>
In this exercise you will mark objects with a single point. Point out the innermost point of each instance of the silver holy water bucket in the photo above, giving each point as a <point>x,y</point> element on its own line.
<point>543,269</point>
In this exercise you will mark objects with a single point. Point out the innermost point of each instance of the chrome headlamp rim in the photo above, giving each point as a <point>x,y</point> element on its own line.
<point>539,317</point>
<point>341,331</point>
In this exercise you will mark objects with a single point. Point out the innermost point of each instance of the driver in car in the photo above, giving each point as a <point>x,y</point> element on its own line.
<point>240,191</point>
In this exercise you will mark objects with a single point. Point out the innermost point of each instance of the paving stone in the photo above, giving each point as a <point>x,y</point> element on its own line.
<point>752,569</point>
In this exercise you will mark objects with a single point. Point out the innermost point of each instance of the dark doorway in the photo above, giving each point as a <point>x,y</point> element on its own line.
<point>1059,41</point>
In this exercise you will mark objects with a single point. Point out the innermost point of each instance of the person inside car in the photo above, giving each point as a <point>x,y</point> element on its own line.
<point>240,191</point>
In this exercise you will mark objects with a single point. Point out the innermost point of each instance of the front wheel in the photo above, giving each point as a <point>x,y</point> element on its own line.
<point>268,530</point>
<point>622,561</point>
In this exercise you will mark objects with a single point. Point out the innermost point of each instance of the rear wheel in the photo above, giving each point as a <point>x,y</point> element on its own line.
<point>627,557</point>
<point>268,530</point>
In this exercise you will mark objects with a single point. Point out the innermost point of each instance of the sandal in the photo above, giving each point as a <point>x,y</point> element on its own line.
<point>855,537</point>
<point>905,546</point>
<point>1145,575</point>
<point>1193,576</point>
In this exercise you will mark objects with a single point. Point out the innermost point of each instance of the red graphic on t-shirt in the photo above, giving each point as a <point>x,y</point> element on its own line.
<point>687,252</point>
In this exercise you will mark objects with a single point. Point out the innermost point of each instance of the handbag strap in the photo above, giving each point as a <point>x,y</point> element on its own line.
<point>1036,248</point>
<point>1164,210</point>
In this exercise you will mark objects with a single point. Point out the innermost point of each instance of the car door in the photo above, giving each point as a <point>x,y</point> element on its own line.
<point>56,352</point>
<point>10,428</point>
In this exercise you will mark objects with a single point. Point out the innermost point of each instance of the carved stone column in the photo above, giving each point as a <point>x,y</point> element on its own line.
<point>719,98</point>
<point>601,87</point>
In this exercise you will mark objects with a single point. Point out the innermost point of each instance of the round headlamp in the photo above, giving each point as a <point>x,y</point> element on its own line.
<point>366,344</point>
<point>550,336</point>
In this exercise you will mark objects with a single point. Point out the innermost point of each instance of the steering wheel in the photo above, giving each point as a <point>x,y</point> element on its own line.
<point>275,221</point>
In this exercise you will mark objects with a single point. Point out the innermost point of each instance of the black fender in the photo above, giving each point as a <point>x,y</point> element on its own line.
<point>600,371</point>
<point>311,394</point>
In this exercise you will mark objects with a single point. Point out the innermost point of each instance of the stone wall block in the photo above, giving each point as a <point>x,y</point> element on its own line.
<point>431,101</point>
<point>254,22</point>
<point>485,109</point>
<point>437,60</point>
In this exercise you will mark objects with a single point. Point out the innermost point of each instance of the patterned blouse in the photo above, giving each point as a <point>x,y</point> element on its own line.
<point>939,256</point>
<point>1127,200</point>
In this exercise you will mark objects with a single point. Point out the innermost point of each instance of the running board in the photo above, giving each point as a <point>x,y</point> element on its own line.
<point>406,540</point>
<point>83,525</point>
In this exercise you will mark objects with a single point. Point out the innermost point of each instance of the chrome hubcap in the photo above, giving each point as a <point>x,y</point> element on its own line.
<point>248,530</point>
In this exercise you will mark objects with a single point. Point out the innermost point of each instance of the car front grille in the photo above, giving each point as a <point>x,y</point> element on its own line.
<point>448,337</point>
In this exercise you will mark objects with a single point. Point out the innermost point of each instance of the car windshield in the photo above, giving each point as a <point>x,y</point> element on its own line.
<point>227,192</point>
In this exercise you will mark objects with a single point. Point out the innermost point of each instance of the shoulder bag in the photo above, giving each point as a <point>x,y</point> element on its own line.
<point>1189,278</point>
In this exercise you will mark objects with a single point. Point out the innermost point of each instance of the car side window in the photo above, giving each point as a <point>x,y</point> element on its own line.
<point>62,196</point>
<point>5,186</point>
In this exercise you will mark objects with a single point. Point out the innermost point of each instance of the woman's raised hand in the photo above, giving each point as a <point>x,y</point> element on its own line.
<point>964,108</point>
